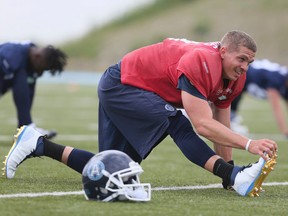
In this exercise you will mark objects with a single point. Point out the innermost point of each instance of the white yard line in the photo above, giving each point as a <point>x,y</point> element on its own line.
<point>68,193</point>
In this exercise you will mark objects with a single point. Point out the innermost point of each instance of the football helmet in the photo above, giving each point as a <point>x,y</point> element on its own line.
<point>112,175</point>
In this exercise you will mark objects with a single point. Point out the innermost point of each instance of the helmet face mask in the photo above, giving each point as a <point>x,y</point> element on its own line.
<point>112,175</point>
<point>128,183</point>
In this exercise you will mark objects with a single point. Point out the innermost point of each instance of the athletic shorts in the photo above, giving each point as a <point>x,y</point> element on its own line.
<point>131,120</point>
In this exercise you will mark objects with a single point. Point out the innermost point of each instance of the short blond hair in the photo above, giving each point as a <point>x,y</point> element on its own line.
<point>234,39</point>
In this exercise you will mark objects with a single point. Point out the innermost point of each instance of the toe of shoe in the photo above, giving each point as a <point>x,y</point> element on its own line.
<point>9,173</point>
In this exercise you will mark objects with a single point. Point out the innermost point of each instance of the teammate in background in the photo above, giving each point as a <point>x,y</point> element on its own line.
<point>20,66</point>
<point>264,80</point>
<point>138,98</point>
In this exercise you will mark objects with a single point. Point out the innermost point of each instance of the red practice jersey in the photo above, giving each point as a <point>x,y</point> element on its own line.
<point>158,67</point>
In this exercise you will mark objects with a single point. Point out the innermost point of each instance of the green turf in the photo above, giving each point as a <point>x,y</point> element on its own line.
<point>72,109</point>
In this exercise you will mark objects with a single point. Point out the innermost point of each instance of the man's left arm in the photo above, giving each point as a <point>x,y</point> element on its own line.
<point>274,99</point>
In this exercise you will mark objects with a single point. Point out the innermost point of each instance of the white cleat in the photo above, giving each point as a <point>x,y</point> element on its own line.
<point>249,180</point>
<point>25,142</point>
<point>49,134</point>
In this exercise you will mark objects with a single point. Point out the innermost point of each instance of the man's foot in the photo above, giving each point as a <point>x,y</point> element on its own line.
<point>49,134</point>
<point>248,180</point>
<point>24,146</point>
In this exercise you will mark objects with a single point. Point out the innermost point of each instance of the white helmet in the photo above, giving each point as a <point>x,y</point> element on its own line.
<point>112,175</point>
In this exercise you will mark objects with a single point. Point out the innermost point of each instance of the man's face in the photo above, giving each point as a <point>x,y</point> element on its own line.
<point>38,61</point>
<point>235,63</point>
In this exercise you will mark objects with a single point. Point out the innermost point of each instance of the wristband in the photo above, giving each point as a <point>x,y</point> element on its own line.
<point>248,144</point>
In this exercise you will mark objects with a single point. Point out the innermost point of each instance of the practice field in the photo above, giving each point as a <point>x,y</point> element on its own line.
<point>43,186</point>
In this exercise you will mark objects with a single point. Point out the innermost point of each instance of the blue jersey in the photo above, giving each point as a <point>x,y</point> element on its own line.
<point>13,58</point>
<point>263,74</point>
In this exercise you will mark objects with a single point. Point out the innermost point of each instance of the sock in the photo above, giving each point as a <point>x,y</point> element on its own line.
<point>226,184</point>
<point>47,148</point>
<point>78,159</point>
<point>223,169</point>
<point>231,162</point>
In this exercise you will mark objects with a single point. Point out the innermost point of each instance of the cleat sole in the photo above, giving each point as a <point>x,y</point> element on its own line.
<point>19,131</point>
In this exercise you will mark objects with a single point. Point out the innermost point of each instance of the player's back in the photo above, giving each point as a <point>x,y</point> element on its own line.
<point>13,56</point>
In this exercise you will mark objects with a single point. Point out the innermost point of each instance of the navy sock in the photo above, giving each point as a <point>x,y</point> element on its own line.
<point>194,148</point>
<point>78,159</point>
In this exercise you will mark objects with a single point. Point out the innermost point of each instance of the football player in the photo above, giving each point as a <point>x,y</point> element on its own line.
<point>138,101</point>
<point>20,66</point>
<point>265,80</point>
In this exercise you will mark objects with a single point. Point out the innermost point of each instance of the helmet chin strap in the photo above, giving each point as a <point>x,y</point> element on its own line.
<point>138,194</point>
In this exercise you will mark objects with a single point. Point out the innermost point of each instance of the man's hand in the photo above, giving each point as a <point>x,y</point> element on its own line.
<point>264,147</point>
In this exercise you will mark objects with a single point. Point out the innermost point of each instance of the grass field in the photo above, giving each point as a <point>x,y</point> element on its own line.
<point>72,111</point>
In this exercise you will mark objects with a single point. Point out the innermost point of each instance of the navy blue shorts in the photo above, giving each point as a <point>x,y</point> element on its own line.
<point>131,120</point>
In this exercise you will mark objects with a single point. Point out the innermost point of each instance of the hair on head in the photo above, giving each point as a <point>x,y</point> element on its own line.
<point>55,58</point>
<point>234,39</point>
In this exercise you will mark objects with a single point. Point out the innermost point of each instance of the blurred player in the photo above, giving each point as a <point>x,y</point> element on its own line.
<point>264,80</point>
<point>138,98</point>
<point>20,66</point>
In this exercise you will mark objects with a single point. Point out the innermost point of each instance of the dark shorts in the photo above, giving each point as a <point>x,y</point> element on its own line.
<point>130,119</point>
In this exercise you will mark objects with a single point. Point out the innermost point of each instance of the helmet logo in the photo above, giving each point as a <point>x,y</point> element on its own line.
<point>94,171</point>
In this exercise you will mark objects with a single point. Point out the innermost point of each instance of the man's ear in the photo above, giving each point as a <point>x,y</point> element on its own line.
<point>223,50</point>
